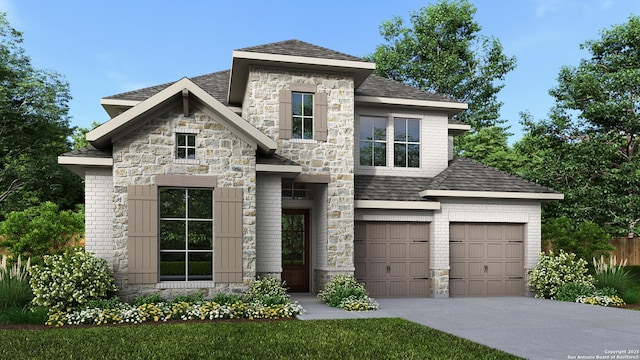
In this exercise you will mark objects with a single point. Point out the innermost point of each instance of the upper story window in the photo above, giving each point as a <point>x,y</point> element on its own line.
<point>406,142</point>
<point>185,146</point>
<point>373,141</point>
<point>302,115</point>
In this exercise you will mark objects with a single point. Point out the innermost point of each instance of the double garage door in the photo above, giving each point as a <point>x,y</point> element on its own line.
<point>392,259</point>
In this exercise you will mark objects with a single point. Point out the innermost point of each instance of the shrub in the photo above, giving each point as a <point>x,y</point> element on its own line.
<point>347,293</point>
<point>70,280</point>
<point>631,296</point>
<point>188,298</point>
<point>587,240</point>
<point>223,298</point>
<point>40,231</point>
<point>555,270</point>
<point>14,284</point>
<point>611,274</point>
<point>147,299</point>
<point>572,290</point>
<point>23,315</point>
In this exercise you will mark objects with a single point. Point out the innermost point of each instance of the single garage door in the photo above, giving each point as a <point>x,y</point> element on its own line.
<point>486,259</point>
<point>392,259</point>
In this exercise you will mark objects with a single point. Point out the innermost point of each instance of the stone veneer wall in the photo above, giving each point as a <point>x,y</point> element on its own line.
<point>486,211</point>
<point>333,157</point>
<point>98,218</point>
<point>149,150</point>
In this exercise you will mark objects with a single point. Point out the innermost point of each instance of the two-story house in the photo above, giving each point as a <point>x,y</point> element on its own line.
<point>299,163</point>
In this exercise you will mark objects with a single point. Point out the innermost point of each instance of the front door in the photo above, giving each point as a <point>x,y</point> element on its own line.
<point>295,249</point>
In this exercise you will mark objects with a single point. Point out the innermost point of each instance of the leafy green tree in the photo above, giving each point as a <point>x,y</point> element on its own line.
<point>79,137</point>
<point>443,51</point>
<point>34,127</point>
<point>586,239</point>
<point>588,148</point>
<point>41,230</point>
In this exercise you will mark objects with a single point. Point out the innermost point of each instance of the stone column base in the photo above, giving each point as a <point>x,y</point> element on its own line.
<point>439,283</point>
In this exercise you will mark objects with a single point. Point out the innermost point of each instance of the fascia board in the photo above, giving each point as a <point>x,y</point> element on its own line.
<point>348,64</point>
<point>491,195</point>
<point>451,107</point>
<point>388,204</point>
<point>279,168</point>
<point>84,161</point>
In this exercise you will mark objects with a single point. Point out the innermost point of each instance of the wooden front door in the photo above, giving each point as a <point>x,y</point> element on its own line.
<point>295,249</point>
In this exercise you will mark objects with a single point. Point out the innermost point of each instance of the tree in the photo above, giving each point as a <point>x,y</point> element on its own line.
<point>34,127</point>
<point>588,148</point>
<point>444,52</point>
<point>79,137</point>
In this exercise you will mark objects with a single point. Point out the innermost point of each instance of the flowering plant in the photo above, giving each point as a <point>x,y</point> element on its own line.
<point>347,293</point>
<point>69,280</point>
<point>555,270</point>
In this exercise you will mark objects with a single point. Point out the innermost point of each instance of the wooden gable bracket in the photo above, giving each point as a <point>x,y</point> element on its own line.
<point>185,102</point>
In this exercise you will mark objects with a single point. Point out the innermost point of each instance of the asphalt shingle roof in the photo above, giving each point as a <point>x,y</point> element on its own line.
<point>376,85</point>
<point>467,175</point>
<point>300,48</point>
<point>274,159</point>
<point>391,188</point>
<point>89,152</point>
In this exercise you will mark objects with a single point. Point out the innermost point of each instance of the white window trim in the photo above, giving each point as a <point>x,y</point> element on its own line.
<point>185,130</point>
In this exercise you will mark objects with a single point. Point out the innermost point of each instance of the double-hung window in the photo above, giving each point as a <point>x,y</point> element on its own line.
<point>302,115</point>
<point>373,141</point>
<point>186,234</point>
<point>406,142</point>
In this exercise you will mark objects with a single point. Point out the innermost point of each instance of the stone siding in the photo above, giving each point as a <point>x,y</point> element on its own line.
<point>333,157</point>
<point>150,150</point>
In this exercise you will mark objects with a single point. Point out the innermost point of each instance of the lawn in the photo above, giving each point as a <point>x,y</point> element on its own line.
<point>290,339</point>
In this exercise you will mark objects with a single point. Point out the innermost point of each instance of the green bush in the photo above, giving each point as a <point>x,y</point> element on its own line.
<point>554,271</point>
<point>14,284</point>
<point>40,231</point>
<point>347,293</point>
<point>113,303</point>
<point>587,240</point>
<point>23,315</point>
<point>572,290</point>
<point>142,299</point>
<point>70,280</point>
<point>223,298</point>
<point>631,296</point>
<point>268,286</point>
<point>188,298</point>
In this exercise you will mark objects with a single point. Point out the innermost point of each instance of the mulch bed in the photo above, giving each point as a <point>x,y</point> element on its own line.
<point>173,321</point>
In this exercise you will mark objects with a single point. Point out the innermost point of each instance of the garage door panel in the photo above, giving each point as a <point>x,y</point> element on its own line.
<point>398,250</point>
<point>476,251</point>
<point>398,269</point>
<point>418,270</point>
<point>395,257</point>
<point>486,259</point>
<point>377,251</point>
<point>418,250</point>
<point>359,250</point>
<point>376,269</point>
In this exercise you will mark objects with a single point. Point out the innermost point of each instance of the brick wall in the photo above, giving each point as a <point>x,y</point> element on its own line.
<point>98,185</point>
<point>268,224</point>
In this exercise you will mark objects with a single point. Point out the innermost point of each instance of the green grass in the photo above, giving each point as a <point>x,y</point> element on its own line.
<point>320,339</point>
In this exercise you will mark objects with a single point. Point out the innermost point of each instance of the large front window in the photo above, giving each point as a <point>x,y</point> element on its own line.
<point>406,142</point>
<point>302,115</point>
<point>373,141</point>
<point>186,234</point>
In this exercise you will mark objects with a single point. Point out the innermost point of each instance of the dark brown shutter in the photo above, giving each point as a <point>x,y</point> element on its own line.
<point>285,114</point>
<point>228,237</point>
<point>320,116</point>
<point>142,241</point>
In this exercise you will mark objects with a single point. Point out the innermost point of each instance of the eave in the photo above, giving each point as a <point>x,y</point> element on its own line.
<point>451,108</point>
<point>491,195</point>
<point>242,60</point>
<point>78,164</point>
<point>397,205</point>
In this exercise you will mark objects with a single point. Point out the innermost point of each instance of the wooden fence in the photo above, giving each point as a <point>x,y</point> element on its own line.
<point>627,248</point>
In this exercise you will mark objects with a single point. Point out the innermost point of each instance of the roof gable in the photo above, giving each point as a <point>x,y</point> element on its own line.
<point>102,136</point>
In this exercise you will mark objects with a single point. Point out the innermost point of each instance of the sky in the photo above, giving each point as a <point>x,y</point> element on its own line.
<point>104,48</point>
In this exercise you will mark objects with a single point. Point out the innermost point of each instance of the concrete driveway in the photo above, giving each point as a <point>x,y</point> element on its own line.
<point>527,327</point>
